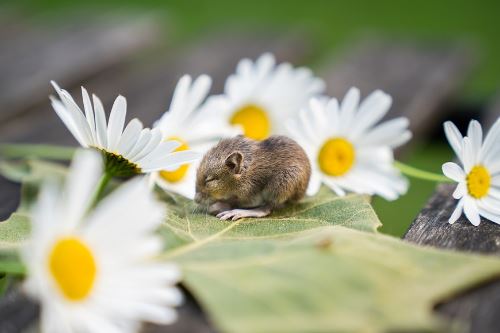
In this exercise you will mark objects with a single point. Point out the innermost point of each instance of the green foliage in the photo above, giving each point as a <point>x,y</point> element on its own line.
<point>316,266</point>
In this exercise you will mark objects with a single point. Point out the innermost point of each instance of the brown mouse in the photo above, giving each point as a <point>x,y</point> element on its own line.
<point>241,177</point>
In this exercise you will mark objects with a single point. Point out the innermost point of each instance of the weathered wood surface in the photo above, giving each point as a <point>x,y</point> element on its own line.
<point>479,307</point>
<point>67,52</point>
<point>148,84</point>
<point>421,78</point>
<point>431,227</point>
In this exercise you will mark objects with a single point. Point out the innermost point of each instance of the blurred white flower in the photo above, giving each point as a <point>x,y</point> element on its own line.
<point>188,122</point>
<point>94,272</point>
<point>478,176</point>
<point>261,95</point>
<point>348,151</point>
<point>127,151</point>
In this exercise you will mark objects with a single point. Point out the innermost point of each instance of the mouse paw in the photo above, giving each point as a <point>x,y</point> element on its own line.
<point>236,214</point>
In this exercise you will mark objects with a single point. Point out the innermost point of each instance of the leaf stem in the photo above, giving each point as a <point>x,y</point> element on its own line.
<point>54,152</point>
<point>421,174</point>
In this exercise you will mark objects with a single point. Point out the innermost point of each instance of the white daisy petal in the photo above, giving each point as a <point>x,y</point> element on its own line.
<point>116,122</point>
<point>487,214</point>
<point>129,137</point>
<point>348,106</point>
<point>314,184</point>
<point>172,161</point>
<point>154,141</point>
<point>491,141</point>
<point>75,113</point>
<point>471,211</point>
<point>460,191</point>
<point>68,121</point>
<point>392,133</point>
<point>468,155</point>
<point>453,171</point>
<point>454,137</point>
<point>89,114</point>
<point>140,144</point>
<point>100,123</point>
<point>371,111</point>
<point>475,134</point>
<point>457,212</point>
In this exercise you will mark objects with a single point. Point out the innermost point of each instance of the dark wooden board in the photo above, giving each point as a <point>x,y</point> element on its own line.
<point>421,77</point>
<point>149,82</point>
<point>431,227</point>
<point>480,306</point>
<point>67,51</point>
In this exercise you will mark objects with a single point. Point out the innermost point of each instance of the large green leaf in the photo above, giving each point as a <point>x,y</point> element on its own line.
<point>318,266</point>
<point>314,267</point>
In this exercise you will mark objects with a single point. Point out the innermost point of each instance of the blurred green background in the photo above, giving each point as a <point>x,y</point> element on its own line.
<point>331,24</point>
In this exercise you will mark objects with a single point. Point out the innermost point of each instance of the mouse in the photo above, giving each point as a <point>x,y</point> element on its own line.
<point>241,177</point>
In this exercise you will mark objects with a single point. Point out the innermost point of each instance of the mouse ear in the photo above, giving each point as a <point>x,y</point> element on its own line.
<point>234,162</point>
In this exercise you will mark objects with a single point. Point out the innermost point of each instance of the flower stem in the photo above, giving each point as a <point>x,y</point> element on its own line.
<point>420,174</point>
<point>101,186</point>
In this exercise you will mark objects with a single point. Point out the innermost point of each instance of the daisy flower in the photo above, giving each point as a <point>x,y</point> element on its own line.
<point>347,150</point>
<point>94,272</point>
<point>128,151</point>
<point>195,127</point>
<point>478,174</point>
<point>261,95</point>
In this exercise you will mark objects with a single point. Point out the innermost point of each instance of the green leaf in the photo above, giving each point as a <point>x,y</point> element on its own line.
<point>319,266</point>
<point>13,233</point>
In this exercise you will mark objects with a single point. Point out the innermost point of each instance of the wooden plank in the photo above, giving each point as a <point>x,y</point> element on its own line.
<point>67,52</point>
<point>480,306</point>
<point>431,227</point>
<point>421,77</point>
<point>149,83</point>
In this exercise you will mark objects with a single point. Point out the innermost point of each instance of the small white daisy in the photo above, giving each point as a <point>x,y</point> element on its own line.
<point>348,151</point>
<point>95,272</point>
<point>261,95</point>
<point>127,151</point>
<point>478,177</point>
<point>197,128</point>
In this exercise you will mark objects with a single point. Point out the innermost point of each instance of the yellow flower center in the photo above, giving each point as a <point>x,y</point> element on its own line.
<point>478,182</point>
<point>73,268</point>
<point>254,120</point>
<point>336,156</point>
<point>179,173</point>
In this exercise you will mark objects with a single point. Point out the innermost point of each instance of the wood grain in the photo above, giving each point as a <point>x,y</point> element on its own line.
<point>421,77</point>
<point>67,52</point>
<point>479,307</point>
